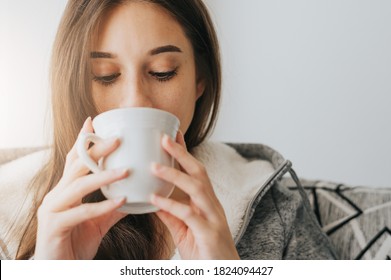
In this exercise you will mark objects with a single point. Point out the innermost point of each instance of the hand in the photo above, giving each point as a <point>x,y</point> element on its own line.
<point>199,228</point>
<point>68,228</point>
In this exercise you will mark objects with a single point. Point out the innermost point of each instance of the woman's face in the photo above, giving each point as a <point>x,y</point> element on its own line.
<point>142,58</point>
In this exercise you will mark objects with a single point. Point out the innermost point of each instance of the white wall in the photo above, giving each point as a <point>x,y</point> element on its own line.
<point>27,30</point>
<point>309,78</point>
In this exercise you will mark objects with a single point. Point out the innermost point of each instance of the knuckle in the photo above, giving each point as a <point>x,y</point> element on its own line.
<point>86,210</point>
<point>169,204</point>
<point>42,210</point>
<point>78,167</point>
<point>55,223</point>
<point>188,213</point>
<point>183,150</point>
<point>198,186</point>
<point>46,200</point>
<point>70,168</point>
<point>79,183</point>
<point>200,170</point>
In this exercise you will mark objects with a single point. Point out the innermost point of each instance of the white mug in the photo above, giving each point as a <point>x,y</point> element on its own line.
<point>140,131</point>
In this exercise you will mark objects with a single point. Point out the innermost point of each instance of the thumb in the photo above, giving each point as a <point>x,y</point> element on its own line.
<point>110,220</point>
<point>180,138</point>
<point>175,226</point>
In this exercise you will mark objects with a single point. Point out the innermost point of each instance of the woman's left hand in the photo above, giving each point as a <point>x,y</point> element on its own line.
<point>199,228</point>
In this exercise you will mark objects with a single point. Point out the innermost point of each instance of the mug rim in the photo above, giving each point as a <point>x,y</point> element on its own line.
<point>117,110</point>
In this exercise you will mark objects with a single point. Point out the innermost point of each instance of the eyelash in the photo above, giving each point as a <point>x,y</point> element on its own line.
<point>164,76</point>
<point>106,80</point>
<point>159,76</point>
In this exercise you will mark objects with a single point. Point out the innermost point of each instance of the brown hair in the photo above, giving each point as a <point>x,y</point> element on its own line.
<point>135,236</point>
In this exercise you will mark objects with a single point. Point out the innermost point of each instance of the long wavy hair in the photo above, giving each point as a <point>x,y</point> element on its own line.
<point>135,236</point>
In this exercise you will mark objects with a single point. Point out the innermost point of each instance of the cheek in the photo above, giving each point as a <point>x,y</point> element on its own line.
<point>182,104</point>
<point>188,98</point>
<point>96,98</point>
<point>103,99</point>
<point>186,117</point>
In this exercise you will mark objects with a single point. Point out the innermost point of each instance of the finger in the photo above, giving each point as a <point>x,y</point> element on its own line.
<point>99,150</point>
<point>198,192</point>
<point>104,148</point>
<point>87,127</point>
<point>73,171</point>
<point>180,138</point>
<point>183,157</point>
<point>117,216</point>
<point>88,211</point>
<point>110,219</point>
<point>175,226</point>
<point>78,167</point>
<point>181,211</point>
<point>62,199</point>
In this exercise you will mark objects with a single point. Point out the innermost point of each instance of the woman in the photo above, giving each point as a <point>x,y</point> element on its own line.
<point>161,54</point>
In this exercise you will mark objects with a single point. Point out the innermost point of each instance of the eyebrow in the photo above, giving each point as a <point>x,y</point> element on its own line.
<point>101,55</point>
<point>156,51</point>
<point>163,49</point>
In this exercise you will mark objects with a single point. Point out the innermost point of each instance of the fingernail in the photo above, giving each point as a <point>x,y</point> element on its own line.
<point>166,138</point>
<point>87,120</point>
<point>122,171</point>
<point>113,140</point>
<point>119,200</point>
<point>85,123</point>
<point>153,198</point>
<point>155,166</point>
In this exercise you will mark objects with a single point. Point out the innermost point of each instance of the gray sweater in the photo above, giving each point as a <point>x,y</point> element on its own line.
<point>279,223</point>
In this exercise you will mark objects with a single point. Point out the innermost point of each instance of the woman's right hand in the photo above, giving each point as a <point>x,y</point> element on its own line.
<point>68,228</point>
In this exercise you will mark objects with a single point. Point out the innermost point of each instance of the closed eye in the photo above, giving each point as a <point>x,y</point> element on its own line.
<point>106,80</point>
<point>164,76</point>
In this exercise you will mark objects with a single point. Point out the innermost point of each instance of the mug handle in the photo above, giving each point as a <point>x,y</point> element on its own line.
<point>82,141</point>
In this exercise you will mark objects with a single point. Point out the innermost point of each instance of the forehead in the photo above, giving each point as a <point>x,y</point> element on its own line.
<point>139,24</point>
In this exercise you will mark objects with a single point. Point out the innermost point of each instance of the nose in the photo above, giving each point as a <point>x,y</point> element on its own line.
<point>136,93</point>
